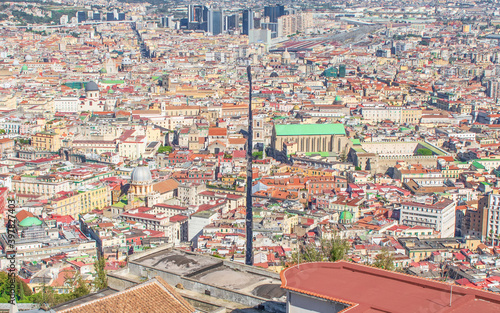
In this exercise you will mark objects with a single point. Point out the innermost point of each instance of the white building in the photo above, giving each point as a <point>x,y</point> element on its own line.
<point>440,216</point>
<point>493,221</point>
<point>90,101</point>
<point>63,20</point>
<point>66,104</point>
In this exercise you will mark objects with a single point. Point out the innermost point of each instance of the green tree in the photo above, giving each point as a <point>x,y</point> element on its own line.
<point>331,250</point>
<point>384,260</point>
<point>23,291</point>
<point>101,279</point>
<point>80,287</point>
<point>164,149</point>
<point>257,155</point>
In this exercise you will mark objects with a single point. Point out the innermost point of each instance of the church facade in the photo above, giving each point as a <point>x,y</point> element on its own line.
<point>309,137</point>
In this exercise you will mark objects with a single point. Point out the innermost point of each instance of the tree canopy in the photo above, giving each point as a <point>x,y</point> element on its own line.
<point>101,280</point>
<point>384,260</point>
<point>164,149</point>
<point>331,250</point>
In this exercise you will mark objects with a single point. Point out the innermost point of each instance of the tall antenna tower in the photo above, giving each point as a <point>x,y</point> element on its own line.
<point>249,213</point>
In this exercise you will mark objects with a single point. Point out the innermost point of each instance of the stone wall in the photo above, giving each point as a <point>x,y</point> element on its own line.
<point>384,163</point>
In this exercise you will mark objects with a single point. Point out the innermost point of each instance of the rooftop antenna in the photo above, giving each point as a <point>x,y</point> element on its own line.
<point>249,213</point>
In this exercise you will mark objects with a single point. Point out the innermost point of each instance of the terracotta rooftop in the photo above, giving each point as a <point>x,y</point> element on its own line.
<point>153,296</point>
<point>165,186</point>
<point>367,289</point>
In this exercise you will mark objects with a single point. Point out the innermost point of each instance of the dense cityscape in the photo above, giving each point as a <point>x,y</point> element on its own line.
<point>297,156</point>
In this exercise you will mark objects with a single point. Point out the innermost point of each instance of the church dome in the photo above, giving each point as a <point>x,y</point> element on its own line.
<point>274,74</point>
<point>286,54</point>
<point>141,174</point>
<point>28,58</point>
<point>91,86</point>
<point>30,221</point>
<point>338,100</point>
<point>346,216</point>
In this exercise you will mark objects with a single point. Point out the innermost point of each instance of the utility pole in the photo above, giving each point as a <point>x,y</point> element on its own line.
<point>249,213</point>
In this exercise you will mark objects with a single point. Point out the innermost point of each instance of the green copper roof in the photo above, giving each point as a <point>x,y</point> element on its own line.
<point>74,85</point>
<point>113,82</point>
<point>24,68</point>
<point>322,153</point>
<point>30,221</point>
<point>478,165</point>
<point>309,129</point>
<point>331,72</point>
<point>345,216</point>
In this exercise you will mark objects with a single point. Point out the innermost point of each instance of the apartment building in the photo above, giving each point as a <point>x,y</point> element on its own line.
<point>440,215</point>
<point>46,141</point>
<point>493,215</point>
<point>394,114</point>
<point>47,185</point>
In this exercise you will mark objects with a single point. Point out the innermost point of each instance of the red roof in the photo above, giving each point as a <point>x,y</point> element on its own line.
<point>214,131</point>
<point>178,218</point>
<point>367,289</point>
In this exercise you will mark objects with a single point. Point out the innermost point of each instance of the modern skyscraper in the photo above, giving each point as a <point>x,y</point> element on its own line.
<point>97,16</point>
<point>247,21</point>
<point>215,21</point>
<point>184,23</point>
<point>81,16</point>
<point>195,13</point>
<point>493,88</point>
<point>110,16</point>
<point>230,22</point>
<point>274,12</point>
<point>167,21</point>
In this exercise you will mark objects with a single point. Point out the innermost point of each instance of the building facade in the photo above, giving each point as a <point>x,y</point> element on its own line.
<point>310,137</point>
<point>440,216</point>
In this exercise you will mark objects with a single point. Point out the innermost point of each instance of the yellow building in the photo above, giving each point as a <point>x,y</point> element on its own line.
<point>46,141</point>
<point>181,110</point>
<point>153,134</point>
<point>80,202</point>
<point>96,196</point>
<point>452,171</point>
<point>289,221</point>
<point>304,170</point>
<point>66,204</point>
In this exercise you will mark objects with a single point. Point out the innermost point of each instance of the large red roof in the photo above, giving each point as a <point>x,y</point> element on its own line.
<point>367,289</point>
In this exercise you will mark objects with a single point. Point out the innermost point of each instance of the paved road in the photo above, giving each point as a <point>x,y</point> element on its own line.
<point>352,37</point>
